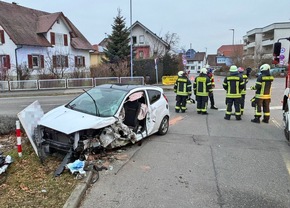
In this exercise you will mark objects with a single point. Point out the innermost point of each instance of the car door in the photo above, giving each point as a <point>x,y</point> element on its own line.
<point>155,110</point>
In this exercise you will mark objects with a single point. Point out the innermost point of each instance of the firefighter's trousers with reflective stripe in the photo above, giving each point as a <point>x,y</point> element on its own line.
<point>180,103</point>
<point>265,104</point>
<point>236,102</point>
<point>201,105</point>
<point>243,103</point>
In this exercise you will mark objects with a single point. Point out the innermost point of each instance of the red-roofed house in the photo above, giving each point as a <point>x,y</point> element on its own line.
<point>40,42</point>
<point>229,54</point>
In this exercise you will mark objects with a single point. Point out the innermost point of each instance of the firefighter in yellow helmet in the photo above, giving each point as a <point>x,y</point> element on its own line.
<point>243,93</point>
<point>202,86</point>
<point>233,84</point>
<point>263,89</point>
<point>183,90</point>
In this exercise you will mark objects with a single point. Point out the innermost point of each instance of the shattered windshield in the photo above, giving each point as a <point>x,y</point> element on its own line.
<point>101,102</point>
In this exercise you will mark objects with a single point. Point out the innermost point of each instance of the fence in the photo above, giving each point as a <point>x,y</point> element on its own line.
<point>66,83</point>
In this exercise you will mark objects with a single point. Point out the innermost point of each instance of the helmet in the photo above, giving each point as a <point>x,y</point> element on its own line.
<point>207,66</point>
<point>203,71</point>
<point>233,68</point>
<point>241,69</point>
<point>265,67</point>
<point>210,70</point>
<point>180,73</point>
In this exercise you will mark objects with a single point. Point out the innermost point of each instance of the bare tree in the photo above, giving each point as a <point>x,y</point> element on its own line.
<point>172,39</point>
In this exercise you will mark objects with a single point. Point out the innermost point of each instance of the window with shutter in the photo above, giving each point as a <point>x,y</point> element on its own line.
<point>60,61</point>
<point>2,39</point>
<point>35,61</point>
<point>52,38</point>
<point>30,61</point>
<point>79,61</point>
<point>42,61</point>
<point>54,61</point>
<point>5,61</point>
<point>65,40</point>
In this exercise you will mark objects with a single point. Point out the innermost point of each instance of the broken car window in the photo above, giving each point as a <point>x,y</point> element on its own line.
<point>107,102</point>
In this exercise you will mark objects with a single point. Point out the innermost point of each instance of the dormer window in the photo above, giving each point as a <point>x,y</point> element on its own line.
<point>2,39</point>
<point>58,39</point>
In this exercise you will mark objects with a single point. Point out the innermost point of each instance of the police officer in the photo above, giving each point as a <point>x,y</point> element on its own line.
<point>201,88</point>
<point>233,84</point>
<point>243,93</point>
<point>183,90</point>
<point>211,77</point>
<point>263,89</point>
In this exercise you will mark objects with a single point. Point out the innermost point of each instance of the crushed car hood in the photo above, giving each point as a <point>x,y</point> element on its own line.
<point>69,121</point>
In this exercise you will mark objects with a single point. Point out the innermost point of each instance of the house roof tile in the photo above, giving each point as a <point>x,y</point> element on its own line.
<point>27,26</point>
<point>230,50</point>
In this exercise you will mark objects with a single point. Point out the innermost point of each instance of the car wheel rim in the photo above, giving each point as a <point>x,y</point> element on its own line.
<point>164,126</point>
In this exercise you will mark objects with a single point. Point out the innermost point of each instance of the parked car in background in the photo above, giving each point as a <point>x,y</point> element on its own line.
<point>104,117</point>
<point>277,71</point>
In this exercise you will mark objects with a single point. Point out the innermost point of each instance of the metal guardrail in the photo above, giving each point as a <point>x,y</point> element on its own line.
<point>66,83</point>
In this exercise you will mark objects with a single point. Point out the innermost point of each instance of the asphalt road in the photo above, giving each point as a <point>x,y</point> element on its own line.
<point>203,161</point>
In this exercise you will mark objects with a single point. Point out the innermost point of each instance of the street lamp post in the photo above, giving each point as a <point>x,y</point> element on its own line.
<point>233,36</point>
<point>131,41</point>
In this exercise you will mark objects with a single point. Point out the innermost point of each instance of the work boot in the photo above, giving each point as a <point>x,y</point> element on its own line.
<point>238,118</point>
<point>176,111</point>
<point>182,111</point>
<point>227,117</point>
<point>265,119</point>
<point>199,112</point>
<point>204,113</point>
<point>214,107</point>
<point>256,120</point>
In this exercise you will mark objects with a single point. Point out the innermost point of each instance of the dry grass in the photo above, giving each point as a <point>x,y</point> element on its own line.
<point>30,184</point>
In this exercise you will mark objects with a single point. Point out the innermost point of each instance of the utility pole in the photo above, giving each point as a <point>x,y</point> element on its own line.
<point>131,40</point>
<point>233,36</point>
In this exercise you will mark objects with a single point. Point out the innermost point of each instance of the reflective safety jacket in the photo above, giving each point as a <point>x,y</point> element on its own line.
<point>211,77</point>
<point>234,85</point>
<point>263,86</point>
<point>245,79</point>
<point>202,85</point>
<point>183,86</point>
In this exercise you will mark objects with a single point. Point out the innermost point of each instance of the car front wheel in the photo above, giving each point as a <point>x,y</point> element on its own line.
<point>164,125</point>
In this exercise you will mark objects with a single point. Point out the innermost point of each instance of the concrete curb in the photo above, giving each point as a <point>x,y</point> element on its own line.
<point>78,193</point>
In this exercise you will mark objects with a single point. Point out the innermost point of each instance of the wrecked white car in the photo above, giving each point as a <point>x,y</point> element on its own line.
<point>106,116</point>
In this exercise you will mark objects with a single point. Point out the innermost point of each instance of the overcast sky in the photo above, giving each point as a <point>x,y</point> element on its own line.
<point>203,25</point>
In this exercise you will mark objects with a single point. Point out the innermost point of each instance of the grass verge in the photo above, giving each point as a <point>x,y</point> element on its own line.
<point>29,183</point>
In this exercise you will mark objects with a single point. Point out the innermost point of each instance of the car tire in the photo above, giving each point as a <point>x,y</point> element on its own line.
<point>164,126</point>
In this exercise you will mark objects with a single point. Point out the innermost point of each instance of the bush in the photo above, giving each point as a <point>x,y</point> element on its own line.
<point>7,124</point>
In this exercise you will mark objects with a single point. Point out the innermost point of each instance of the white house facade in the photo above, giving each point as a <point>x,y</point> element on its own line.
<point>146,43</point>
<point>46,43</point>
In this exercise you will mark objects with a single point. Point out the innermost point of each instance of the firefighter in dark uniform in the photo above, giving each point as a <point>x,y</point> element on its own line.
<point>233,84</point>
<point>202,86</point>
<point>263,89</point>
<point>243,93</point>
<point>211,97</point>
<point>183,90</point>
